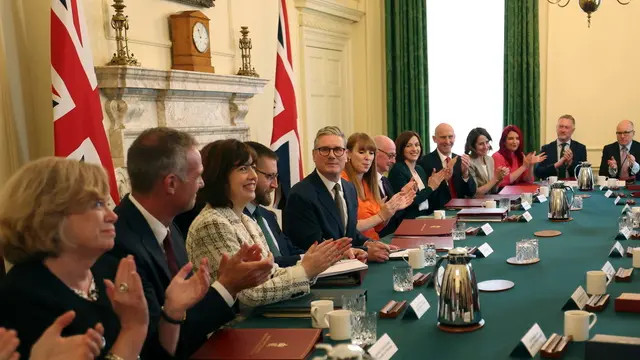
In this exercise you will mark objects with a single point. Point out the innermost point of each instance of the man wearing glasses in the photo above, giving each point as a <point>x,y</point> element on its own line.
<point>619,158</point>
<point>385,159</point>
<point>324,206</point>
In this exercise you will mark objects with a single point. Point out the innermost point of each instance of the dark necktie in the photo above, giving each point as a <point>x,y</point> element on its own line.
<point>624,169</point>
<point>340,206</point>
<point>562,170</point>
<point>267,234</point>
<point>170,254</point>
<point>452,188</point>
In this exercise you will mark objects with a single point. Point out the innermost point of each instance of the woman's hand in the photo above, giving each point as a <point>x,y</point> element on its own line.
<point>127,297</point>
<point>409,187</point>
<point>501,173</point>
<point>52,346</point>
<point>535,159</point>
<point>183,294</point>
<point>436,178</point>
<point>9,344</point>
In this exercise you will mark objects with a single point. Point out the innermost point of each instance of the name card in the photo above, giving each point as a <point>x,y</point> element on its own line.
<point>487,229</point>
<point>484,250</point>
<point>609,271</point>
<point>602,187</point>
<point>608,193</point>
<point>625,208</point>
<point>542,198</point>
<point>383,349</point>
<point>616,201</point>
<point>625,233</point>
<point>531,342</point>
<point>527,216</point>
<point>526,205</point>
<point>617,250</point>
<point>577,301</point>
<point>417,307</point>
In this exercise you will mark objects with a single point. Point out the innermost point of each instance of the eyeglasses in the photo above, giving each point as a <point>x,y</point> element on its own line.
<point>391,155</point>
<point>270,177</point>
<point>625,132</point>
<point>325,150</point>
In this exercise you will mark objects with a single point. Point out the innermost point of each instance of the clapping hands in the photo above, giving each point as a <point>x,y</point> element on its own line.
<point>532,159</point>
<point>183,294</point>
<point>8,344</point>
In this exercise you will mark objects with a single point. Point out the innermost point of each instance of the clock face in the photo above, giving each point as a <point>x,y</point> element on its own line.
<point>200,37</point>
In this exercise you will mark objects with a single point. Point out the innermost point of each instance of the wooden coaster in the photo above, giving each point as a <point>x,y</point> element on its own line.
<point>512,261</point>
<point>561,220</point>
<point>576,209</point>
<point>495,285</point>
<point>461,329</point>
<point>547,233</point>
<point>584,196</point>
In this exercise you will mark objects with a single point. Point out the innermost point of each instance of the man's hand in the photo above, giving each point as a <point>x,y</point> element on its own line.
<point>631,159</point>
<point>568,156</point>
<point>466,162</point>
<point>245,269</point>
<point>320,256</point>
<point>612,163</point>
<point>377,251</point>
<point>448,170</point>
<point>182,294</point>
<point>52,346</point>
<point>9,344</point>
<point>359,254</point>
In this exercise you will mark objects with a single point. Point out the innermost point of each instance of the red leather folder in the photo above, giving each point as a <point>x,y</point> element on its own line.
<point>519,189</point>
<point>259,344</point>
<point>425,227</point>
<point>442,243</point>
<point>512,197</point>
<point>464,203</point>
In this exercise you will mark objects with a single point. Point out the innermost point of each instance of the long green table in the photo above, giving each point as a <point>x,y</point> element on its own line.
<point>540,290</point>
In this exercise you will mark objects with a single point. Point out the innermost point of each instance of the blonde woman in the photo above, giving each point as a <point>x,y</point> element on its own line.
<point>360,170</point>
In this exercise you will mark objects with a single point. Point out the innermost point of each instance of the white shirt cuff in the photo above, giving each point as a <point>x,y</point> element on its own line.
<point>635,168</point>
<point>224,293</point>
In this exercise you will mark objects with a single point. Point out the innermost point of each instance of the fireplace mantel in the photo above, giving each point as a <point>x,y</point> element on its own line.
<point>208,106</point>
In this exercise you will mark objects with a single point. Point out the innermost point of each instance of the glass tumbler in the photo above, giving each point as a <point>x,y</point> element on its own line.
<point>364,328</point>
<point>402,278</point>
<point>523,251</point>
<point>354,303</point>
<point>505,203</point>
<point>534,249</point>
<point>430,254</point>
<point>458,232</point>
<point>577,202</point>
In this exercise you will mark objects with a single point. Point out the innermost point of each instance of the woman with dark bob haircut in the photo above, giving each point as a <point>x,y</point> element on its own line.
<point>407,173</point>
<point>511,155</point>
<point>482,168</point>
<point>221,227</point>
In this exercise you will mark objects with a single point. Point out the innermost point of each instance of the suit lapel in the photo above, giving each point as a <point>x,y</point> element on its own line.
<point>179,249</point>
<point>388,190</point>
<point>326,200</point>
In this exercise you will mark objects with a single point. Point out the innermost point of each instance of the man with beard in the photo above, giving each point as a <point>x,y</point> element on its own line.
<point>266,166</point>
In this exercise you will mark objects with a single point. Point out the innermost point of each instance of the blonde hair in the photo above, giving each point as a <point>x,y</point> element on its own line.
<point>37,198</point>
<point>363,141</point>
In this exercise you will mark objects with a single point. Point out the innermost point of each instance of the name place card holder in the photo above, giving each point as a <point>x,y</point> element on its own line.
<point>420,279</point>
<point>617,250</point>
<point>555,346</point>
<point>392,309</point>
<point>624,275</point>
<point>417,308</point>
<point>577,301</point>
<point>530,344</point>
<point>625,234</point>
<point>597,303</point>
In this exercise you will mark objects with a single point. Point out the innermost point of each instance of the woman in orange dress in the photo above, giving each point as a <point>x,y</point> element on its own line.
<point>373,212</point>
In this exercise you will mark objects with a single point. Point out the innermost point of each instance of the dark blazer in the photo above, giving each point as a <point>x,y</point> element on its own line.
<point>397,218</point>
<point>614,150</point>
<point>545,169</point>
<point>31,298</point>
<point>184,220</point>
<point>442,195</point>
<point>290,253</point>
<point>311,213</point>
<point>399,176</point>
<point>134,236</point>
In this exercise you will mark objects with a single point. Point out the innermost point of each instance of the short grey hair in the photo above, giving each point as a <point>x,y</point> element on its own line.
<point>156,153</point>
<point>329,130</point>
<point>568,117</point>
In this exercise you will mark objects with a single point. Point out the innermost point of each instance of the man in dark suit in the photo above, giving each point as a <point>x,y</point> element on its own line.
<point>458,183</point>
<point>165,169</point>
<point>385,158</point>
<point>563,154</point>
<point>619,158</point>
<point>284,252</point>
<point>323,205</point>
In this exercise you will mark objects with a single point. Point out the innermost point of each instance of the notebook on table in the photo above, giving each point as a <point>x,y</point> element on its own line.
<point>425,227</point>
<point>349,272</point>
<point>464,203</point>
<point>482,215</point>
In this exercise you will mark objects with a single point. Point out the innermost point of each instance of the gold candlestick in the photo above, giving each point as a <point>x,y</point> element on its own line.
<point>245,48</point>
<point>120,23</point>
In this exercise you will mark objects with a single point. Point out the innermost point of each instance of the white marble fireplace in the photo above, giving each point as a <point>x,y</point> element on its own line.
<point>208,106</point>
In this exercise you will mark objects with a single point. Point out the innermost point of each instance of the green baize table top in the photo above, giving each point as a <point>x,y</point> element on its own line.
<point>539,294</point>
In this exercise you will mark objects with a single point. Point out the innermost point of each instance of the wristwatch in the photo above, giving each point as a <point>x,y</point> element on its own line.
<point>171,320</point>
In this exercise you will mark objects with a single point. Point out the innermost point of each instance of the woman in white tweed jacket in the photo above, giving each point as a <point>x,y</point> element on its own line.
<point>221,227</point>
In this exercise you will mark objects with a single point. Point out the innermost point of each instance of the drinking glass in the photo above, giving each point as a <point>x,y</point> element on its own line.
<point>458,232</point>
<point>505,203</point>
<point>577,202</point>
<point>534,249</point>
<point>364,328</point>
<point>354,303</point>
<point>523,251</point>
<point>528,197</point>
<point>430,254</point>
<point>625,221</point>
<point>402,278</point>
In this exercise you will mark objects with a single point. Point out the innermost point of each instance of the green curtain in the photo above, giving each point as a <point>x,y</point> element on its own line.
<point>522,70</point>
<point>406,56</point>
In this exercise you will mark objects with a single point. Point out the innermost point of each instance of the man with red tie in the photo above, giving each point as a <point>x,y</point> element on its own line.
<point>458,183</point>
<point>619,158</point>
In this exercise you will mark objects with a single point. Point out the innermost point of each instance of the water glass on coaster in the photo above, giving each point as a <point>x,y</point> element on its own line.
<point>402,278</point>
<point>534,248</point>
<point>354,303</point>
<point>364,328</point>
<point>528,197</point>
<point>458,232</point>
<point>430,254</point>
<point>523,251</point>
<point>577,202</point>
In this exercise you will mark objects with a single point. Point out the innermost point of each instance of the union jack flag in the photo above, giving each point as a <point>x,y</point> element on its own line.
<point>284,136</point>
<point>77,113</point>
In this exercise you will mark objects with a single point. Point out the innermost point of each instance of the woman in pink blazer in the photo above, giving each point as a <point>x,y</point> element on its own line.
<point>512,156</point>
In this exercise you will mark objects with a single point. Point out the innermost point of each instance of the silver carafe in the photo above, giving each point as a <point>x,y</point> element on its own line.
<point>458,302</point>
<point>586,180</point>
<point>560,202</point>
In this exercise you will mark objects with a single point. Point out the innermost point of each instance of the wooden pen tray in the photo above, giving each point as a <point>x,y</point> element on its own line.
<point>420,279</point>
<point>624,275</point>
<point>555,346</point>
<point>597,303</point>
<point>392,309</point>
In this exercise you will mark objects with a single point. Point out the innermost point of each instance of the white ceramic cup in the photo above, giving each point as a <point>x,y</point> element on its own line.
<point>489,204</point>
<point>319,310</point>
<point>439,214</point>
<point>635,209</point>
<point>621,183</point>
<point>339,324</point>
<point>552,179</point>
<point>612,182</point>
<point>636,258</point>
<point>602,180</point>
<point>416,258</point>
<point>596,282</point>
<point>544,190</point>
<point>576,324</point>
